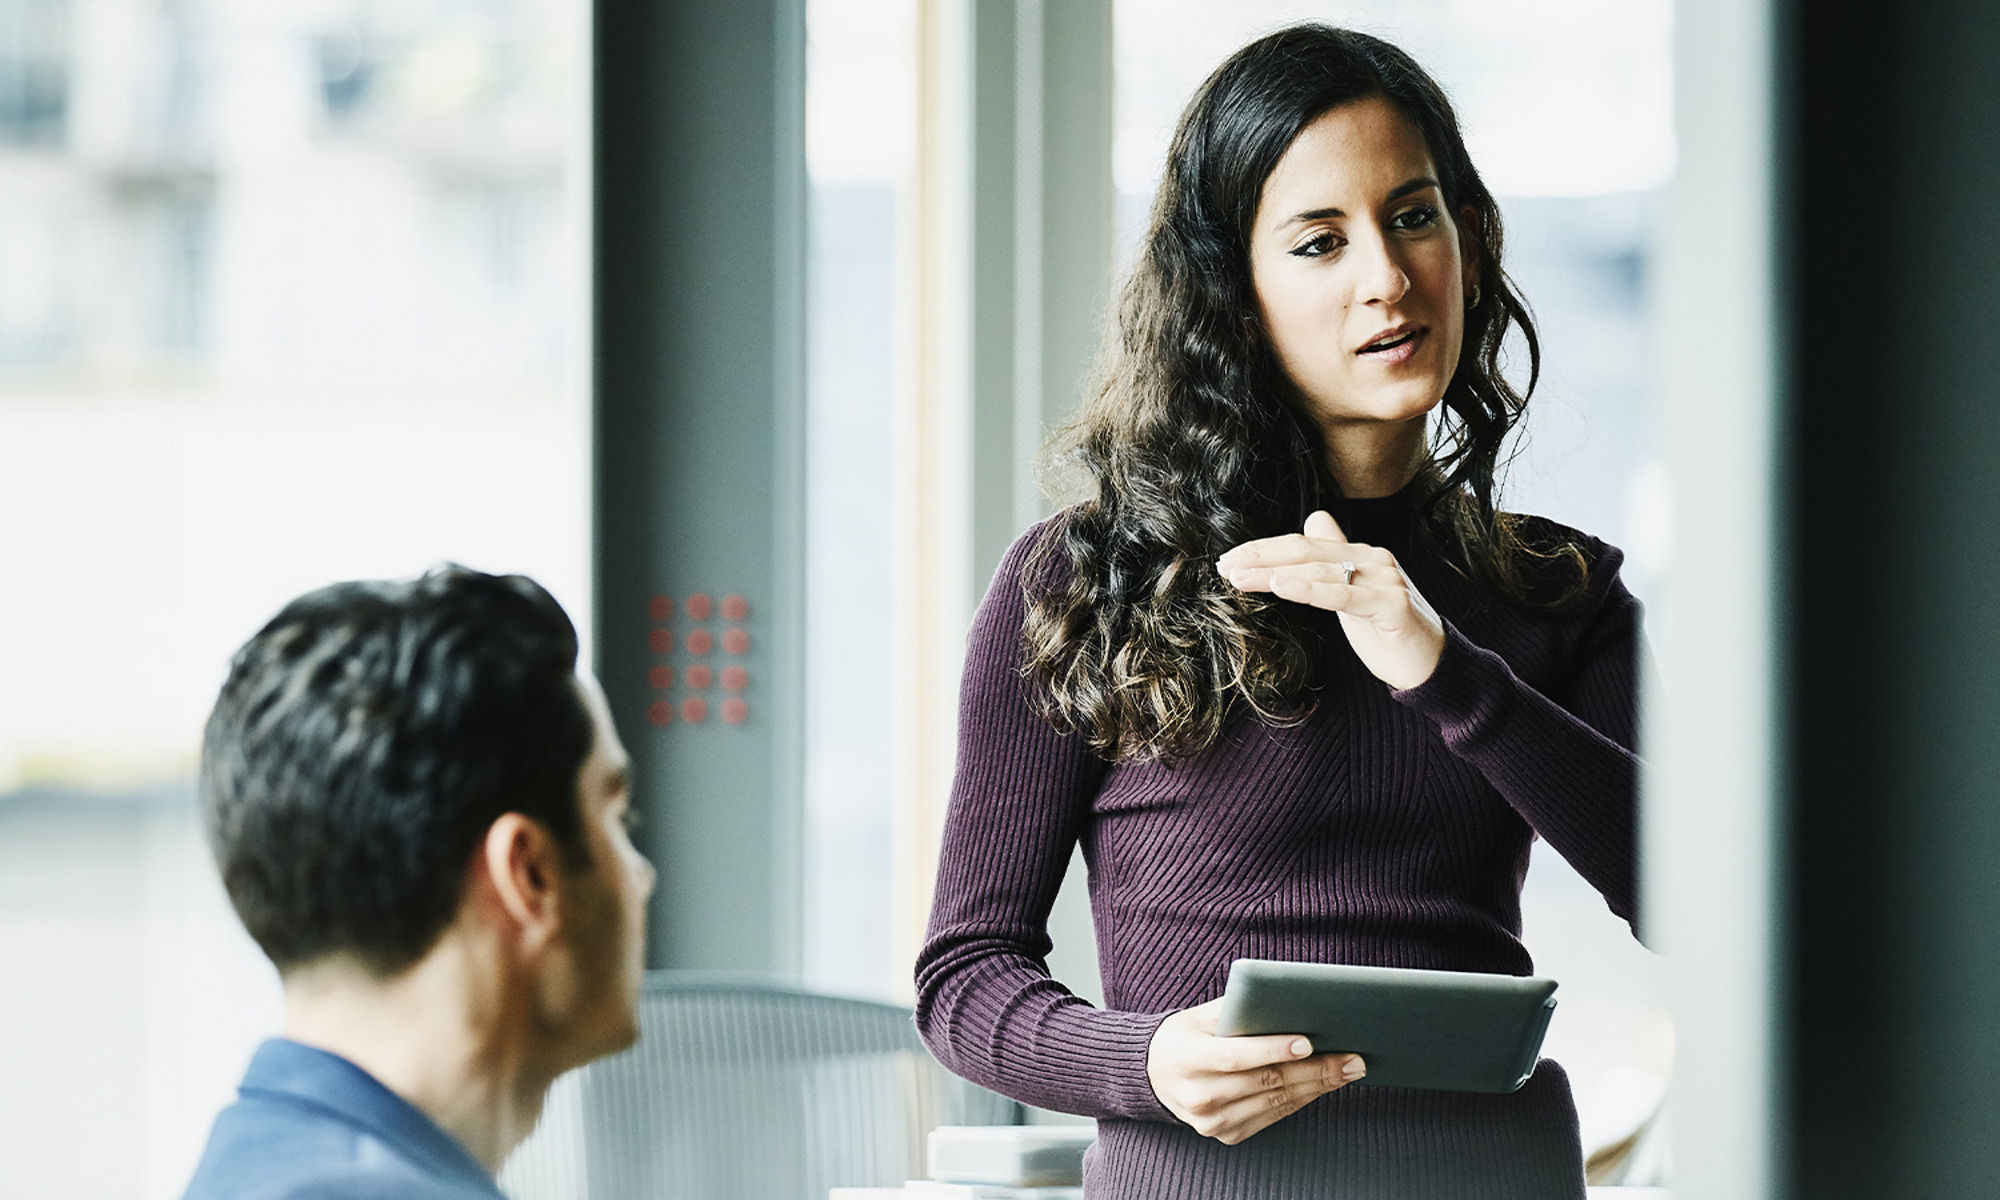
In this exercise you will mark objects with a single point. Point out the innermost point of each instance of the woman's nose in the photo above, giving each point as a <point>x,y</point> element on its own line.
<point>1383,278</point>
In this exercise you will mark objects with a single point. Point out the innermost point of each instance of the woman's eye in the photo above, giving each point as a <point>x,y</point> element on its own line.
<point>1420,217</point>
<point>1317,246</point>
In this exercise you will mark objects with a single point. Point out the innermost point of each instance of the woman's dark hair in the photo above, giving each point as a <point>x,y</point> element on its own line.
<point>1197,441</point>
<point>366,739</point>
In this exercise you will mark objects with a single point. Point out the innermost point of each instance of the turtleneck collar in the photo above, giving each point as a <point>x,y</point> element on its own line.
<point>1384,520</point>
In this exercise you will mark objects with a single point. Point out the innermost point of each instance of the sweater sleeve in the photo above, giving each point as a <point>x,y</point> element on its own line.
<point>1565,760</point>
<point>986,1005</point>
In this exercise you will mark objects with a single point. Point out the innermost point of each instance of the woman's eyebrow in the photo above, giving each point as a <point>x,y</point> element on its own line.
<point>1396,193</point>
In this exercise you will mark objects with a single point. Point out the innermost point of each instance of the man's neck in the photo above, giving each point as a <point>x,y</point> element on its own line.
<point>433,1036</point>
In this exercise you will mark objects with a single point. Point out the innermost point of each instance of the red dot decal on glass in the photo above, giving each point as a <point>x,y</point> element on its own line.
<point>700,607</point>
<point>660,713</point>
<point>701,641</point>
<point>660,678</point>
<point>734,711</point>
<point>734,607</point>
<point>659,641</point>
<point>694,710</point>
<point>700,676</point>
<point>735,641</point>
<point>735,678</point>
<point>660,608</point>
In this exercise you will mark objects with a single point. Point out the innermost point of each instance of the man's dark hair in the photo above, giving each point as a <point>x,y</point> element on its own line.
<point>365,741</point>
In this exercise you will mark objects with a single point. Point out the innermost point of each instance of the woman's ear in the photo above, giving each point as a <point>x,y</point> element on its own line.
<point>1468,247</point>
<point>520,865</point>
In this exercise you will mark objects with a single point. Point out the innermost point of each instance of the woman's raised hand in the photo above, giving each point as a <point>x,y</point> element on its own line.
<point>1228,1088</point>
<point>1395,632</point>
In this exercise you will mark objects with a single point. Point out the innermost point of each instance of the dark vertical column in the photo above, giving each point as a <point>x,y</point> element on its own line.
<point>699,234</point>
<point>1891,118</point>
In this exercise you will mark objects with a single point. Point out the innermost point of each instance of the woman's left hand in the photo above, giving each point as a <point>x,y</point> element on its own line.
<point>1395,632</point>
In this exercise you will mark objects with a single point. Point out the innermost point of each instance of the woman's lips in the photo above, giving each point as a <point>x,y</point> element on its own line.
<point>1397,353</point>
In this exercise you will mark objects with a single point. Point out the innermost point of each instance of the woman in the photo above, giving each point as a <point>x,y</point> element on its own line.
<point>1295,685</point>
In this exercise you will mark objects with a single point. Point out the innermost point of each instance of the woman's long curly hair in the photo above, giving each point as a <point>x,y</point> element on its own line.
<point>1196,440</point>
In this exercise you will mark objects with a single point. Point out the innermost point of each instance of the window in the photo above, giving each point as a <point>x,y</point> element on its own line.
<point>860,149</point>
<point>288,293</point>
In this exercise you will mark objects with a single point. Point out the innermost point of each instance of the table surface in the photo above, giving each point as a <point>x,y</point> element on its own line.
<point>1596,1193</point>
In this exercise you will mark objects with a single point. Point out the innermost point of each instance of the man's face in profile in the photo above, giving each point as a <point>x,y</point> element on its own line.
<point>592,1005</point>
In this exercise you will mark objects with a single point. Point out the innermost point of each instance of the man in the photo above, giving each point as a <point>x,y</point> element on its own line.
<point>419,810</point>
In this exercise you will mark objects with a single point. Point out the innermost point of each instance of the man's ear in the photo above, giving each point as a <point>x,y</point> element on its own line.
<point>522,868</point>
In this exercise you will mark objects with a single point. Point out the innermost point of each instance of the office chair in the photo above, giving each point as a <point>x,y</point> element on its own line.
<point>745,1088</point>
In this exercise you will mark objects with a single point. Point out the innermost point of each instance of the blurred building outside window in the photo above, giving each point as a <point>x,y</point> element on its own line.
<point>861,89</point>
<point>289,292</point>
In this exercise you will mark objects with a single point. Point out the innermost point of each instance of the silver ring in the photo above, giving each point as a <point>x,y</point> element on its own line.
<point>1346,571</point>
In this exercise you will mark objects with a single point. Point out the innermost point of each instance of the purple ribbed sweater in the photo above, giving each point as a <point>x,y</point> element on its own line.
<point>1390,828</point>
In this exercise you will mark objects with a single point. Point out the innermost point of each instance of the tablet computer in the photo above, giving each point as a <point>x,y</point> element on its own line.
<point>1455,1031</point>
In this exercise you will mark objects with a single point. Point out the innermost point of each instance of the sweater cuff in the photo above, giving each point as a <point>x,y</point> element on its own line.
<point>1121,1041</point>
<point>1467,692</point>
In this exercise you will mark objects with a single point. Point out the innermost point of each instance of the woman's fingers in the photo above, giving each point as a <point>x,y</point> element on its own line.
<point>1355,577</point>
<point>1185,1048</point>
<point>1231,1087</point>
<point>1331,595</point>
<point>1360,571</point>
<point>1320,524</point>
<point>1243,1103</point>
<point>1392,629</point>
<point>1289,548</point>
<point>1237,1055</point>
<point>1326,586</point>
<point>1258,1111</point>
<point>1202,1018</point>
<point>1387,607</point>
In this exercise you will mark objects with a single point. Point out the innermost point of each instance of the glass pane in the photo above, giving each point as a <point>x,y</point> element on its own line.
<point>289,292</point>
<point>860,130</point>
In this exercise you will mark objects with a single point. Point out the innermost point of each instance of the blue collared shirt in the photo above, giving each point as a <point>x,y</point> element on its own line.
<point>309,1125</point>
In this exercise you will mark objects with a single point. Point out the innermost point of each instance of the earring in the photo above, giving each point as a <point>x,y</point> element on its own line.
<point>1474,301</point>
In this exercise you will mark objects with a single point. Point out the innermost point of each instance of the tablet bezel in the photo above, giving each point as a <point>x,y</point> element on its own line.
<point>1446,1030</point>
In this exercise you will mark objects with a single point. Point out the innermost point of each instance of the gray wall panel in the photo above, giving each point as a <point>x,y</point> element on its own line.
<point>699,229</point>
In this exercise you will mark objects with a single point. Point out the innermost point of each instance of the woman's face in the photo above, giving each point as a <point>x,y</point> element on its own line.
<point>1361,273</point>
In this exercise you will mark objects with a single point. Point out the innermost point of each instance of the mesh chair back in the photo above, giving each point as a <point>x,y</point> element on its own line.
<point>751,1089</point>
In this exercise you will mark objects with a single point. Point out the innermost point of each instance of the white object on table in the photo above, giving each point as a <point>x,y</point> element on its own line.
<point>931,1189</point>
<point>1033,1156</point>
